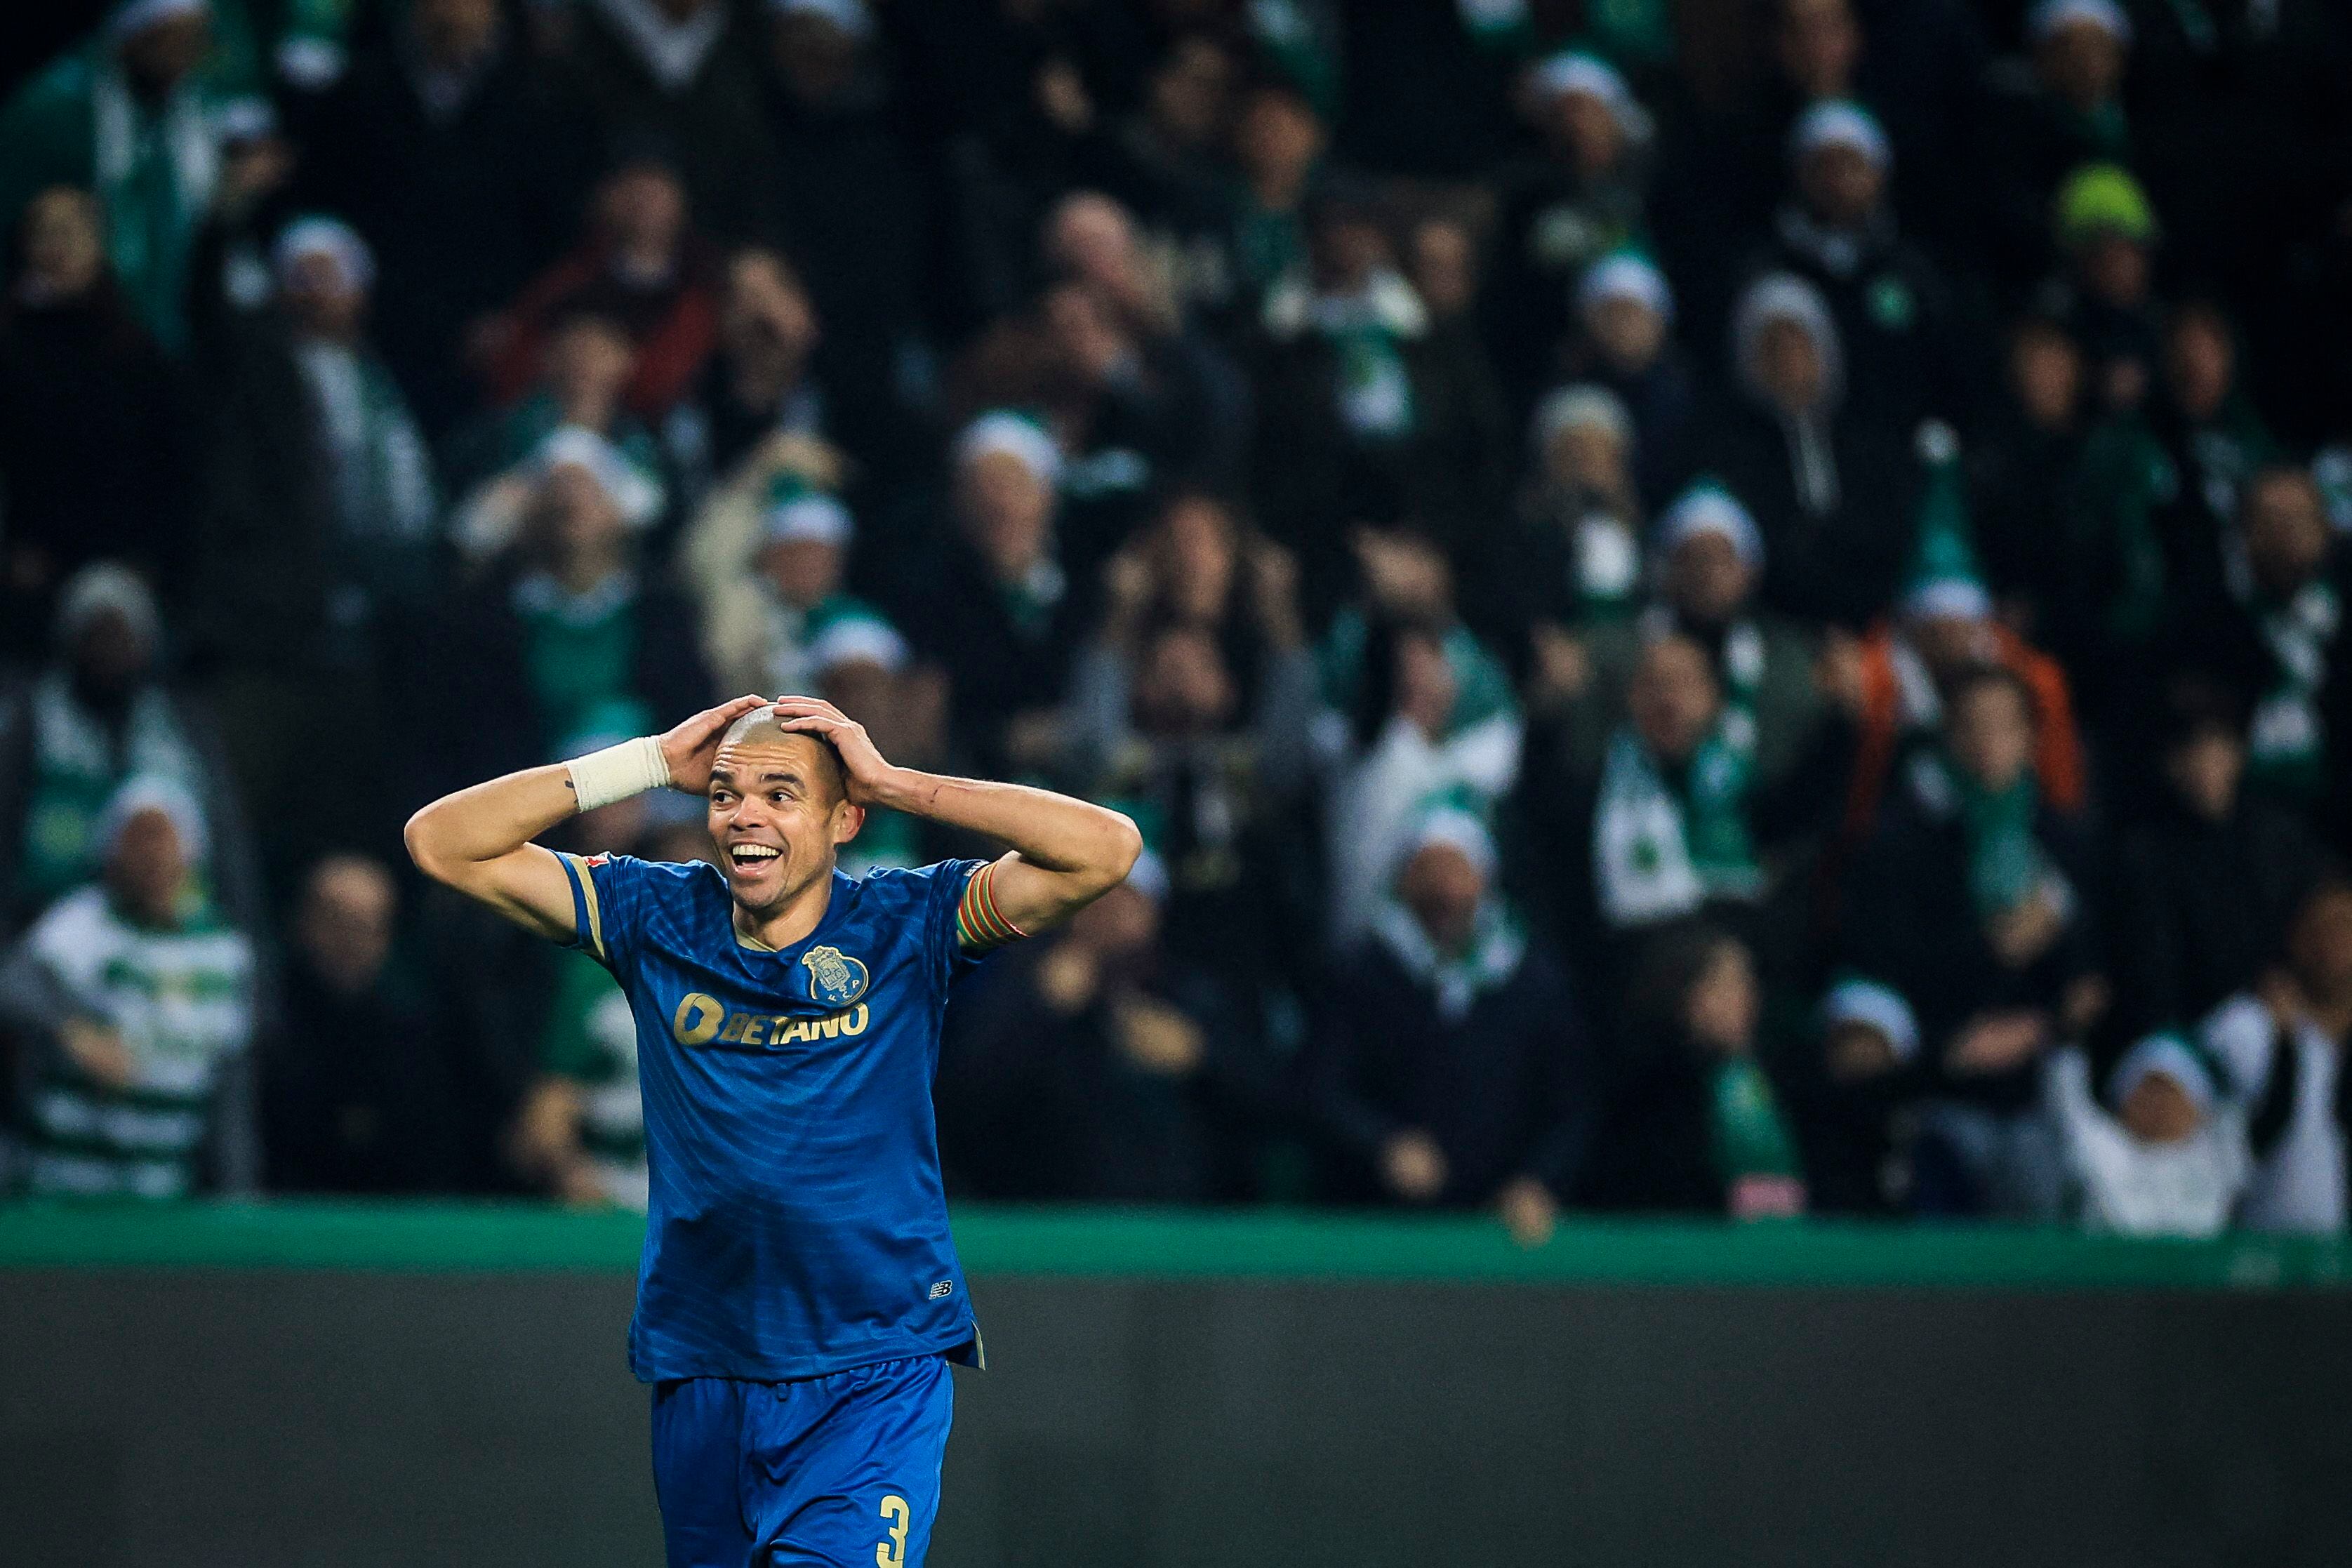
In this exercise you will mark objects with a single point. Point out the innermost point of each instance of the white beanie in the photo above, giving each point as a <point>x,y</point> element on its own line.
<point>2104,14</point>
<point>328,237</point>
<point>858,639</point>
<point>811,515</point>
<point>1839,123</point>
<point>137,16</point>
<point>1710,509</point>
<point>103,585</point>
<point>850,16</point>
<point>1874,1006</point>
<point>154,791</point>
<point>2172,1056</point>
<point>1575,71</point>
<point>637,495</point>
<point>1572,407</point>
<point>1626,275</point>
<point>1017,436</point>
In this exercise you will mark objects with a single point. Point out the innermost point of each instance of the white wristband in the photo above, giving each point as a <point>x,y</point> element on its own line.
<point>617,773</point>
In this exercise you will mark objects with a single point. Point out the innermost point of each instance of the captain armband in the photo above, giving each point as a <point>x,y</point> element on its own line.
<point>617,773</point>
<point>978,925</point>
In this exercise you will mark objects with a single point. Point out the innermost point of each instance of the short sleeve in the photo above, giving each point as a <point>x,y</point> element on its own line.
<point>610,894</point>
<point>946,927</point>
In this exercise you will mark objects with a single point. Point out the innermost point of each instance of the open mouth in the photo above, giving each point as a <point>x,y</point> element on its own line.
<point>752,857</point>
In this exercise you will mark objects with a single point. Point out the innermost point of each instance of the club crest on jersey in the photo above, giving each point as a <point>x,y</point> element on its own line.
<point>835,979</point>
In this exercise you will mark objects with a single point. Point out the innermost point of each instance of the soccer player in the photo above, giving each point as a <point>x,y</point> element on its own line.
<point>799,1299</point>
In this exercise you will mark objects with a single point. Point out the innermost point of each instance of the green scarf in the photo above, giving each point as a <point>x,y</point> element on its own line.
<point>76,771</point>
<point>1458,980</point>
<point>1660,851</point>
<point>2287,744</point>
<point>1745,1131</point>
<point>2006,864</point>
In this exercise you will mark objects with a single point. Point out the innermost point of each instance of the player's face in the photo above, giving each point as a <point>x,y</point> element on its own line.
<point>777,816</point>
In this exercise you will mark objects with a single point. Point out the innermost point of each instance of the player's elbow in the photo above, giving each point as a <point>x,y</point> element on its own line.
<point>1122,845</point>
<point>423,839</point>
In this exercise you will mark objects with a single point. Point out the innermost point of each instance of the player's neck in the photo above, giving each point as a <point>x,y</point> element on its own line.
<point>793,918</point>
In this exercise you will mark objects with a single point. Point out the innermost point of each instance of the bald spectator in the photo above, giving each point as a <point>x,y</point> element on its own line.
<point>357,1093</point>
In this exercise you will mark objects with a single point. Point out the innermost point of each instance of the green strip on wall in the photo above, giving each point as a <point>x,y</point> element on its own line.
<point>1277,1245</point>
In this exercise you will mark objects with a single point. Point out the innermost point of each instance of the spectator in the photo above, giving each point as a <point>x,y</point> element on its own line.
<point>1165,161</point>
<point>1623,342</point>
<point>1942,632</point>
<point>100,714</point>
<point>1420,711</point>
<point>2104,296</point>
<point>2207,883</point>
<point>380,481</point>
<point>130,120</point>
<point>588,362</point>
<point>1676,823</point>
<point>1279,141</point>
<point>999,617</point>
<point>2282,1045</point>
<point>761,640</point>
<point>1580,198</point>
<point>1784,690</point>
<point>1452,1071</point>
<point>1694,1121</point>
<point>1167,720</point>
<point>643,266</point>
<point>2158,487</point>
<point>2278,637</point>
<point>563,627</point>
<point>94,433</point>
<point>680,74</point>
<point>1834,486</point>
<point>1891,304</point>
<point>762,382</point>
<point>2171,1159</point>
<point>1578,560</point>
<point>861,666</point>
<point>2068,113</point>
<point>853,208</point>
<point>449,148</point>
<point>1091,1065</point>
<point>2019,478</point>
<point>138,1005</point>
<point>356,1092</point>
<point>1855,1130</point>
<point>1364,410</point>
<point>1969,902</point>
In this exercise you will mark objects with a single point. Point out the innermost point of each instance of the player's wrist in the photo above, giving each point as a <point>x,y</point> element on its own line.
<point>899,789</point>
<point>617,773</point>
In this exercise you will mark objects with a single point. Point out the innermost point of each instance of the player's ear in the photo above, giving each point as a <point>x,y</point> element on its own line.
<point>847,818</point>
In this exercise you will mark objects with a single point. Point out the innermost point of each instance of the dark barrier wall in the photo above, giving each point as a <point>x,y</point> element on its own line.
<point>250,1389</point>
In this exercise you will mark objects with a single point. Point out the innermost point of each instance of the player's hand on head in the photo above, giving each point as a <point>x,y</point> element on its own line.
<point>861,760</point>
<point>693,746</point>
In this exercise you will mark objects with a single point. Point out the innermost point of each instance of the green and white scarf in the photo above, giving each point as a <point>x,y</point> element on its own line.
<point>1368,330</point>
<point>76,769</point>
<point>1495,950</point>
<point>2287,744</point>
<point>1746,1133</point>
<point>592,1039</point>
<point>2007,864</point>
<point>154,173</point>
<point>1739,670</point>
<point>1658,853</point>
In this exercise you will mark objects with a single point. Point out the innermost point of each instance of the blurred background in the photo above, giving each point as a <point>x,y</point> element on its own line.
<point>1724,611</point>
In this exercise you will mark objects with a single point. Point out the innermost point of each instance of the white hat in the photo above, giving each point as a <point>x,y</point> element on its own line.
<point>1707,508</point>
<point>1948,599</point>
<point>1626,275</point>
<point>328,237</point>
<point>1786,297</point>
<point>137,16</point>
<point>1016,435</point>
<point>1584,405</point>
<point>1838,122</point>
<point>1575,71</point>
<point>2172,1056</point>
<point>2104,14</point>
<point>1876,1006</point>
<point>636,494</point>
<point>154,791</point>
<point>813,516</point>
<point>858,639</point>
<point>104,586</point>
<point>850,16</point>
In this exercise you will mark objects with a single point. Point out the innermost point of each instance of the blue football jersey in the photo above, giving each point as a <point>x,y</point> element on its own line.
<point>796,1224</point>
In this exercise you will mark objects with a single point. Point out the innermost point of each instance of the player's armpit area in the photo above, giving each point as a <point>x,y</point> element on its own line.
<point>980,926</point>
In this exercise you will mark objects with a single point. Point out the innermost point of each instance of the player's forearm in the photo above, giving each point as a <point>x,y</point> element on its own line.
<point>1089,845</point>
<point>487,821</point>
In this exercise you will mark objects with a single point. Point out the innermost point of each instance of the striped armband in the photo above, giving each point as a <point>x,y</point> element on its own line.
<point>979,926</point>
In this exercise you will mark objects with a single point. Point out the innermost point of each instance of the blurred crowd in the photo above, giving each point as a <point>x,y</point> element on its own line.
<point>1732,606</point>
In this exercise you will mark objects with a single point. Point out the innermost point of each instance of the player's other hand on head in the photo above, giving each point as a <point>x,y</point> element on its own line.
<point>692,747</point>
<point>1412,1165</point>
<point>861,760</point>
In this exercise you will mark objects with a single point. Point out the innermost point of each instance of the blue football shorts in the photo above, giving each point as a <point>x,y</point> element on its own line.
<point>842,1470</point>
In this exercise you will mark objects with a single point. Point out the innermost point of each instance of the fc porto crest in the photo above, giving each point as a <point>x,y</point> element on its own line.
<point>835,979</point>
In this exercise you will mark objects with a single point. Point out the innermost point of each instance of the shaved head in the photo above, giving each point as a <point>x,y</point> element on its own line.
<point>760,730</point>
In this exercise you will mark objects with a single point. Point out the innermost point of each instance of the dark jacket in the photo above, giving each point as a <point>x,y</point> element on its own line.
<point>1502,1090</point>
<point>357,1094</point>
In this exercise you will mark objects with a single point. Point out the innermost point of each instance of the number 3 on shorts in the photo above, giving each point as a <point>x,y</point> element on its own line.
<point>892,1552</point>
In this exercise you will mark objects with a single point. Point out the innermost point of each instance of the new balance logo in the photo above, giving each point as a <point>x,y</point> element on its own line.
<point>943,1289</point>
